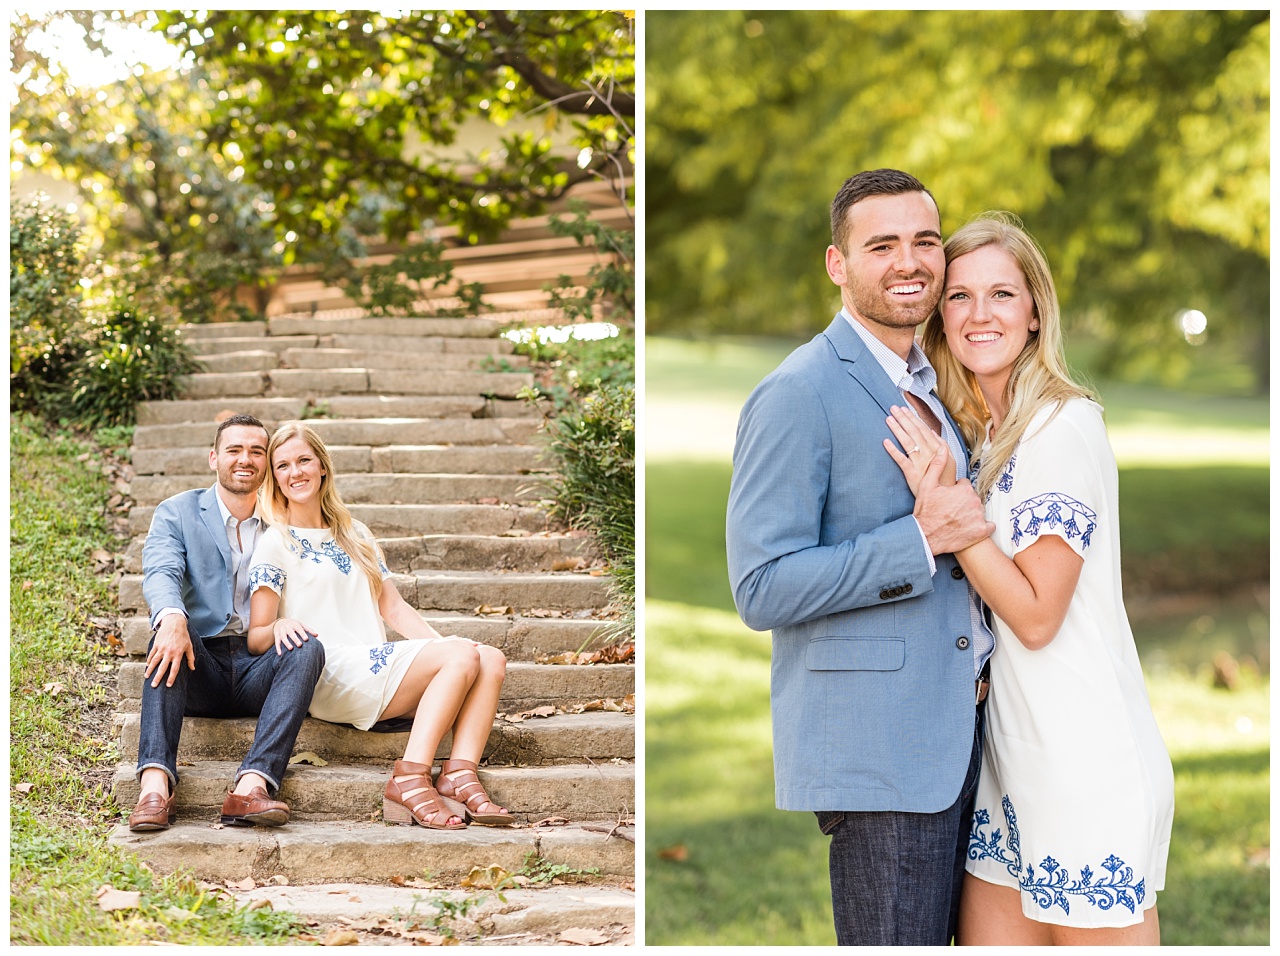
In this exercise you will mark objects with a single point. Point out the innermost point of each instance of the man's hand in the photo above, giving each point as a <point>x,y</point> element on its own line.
<point>172,643</point>
<point>950,516</point>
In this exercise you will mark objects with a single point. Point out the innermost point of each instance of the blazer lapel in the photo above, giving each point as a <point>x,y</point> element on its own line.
<point>211,515</point>
<point>862,365</point>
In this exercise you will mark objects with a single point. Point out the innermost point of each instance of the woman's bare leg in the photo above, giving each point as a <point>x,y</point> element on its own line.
<point>475,718</point>
<point>991,915</point>
<point>1146,933</point>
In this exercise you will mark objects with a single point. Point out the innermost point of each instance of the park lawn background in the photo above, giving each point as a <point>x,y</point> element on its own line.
<point>723,866</point>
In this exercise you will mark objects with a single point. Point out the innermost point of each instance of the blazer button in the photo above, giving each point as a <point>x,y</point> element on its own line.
<point>906,589</point>
<point>885,594</point>
<point>962,643</point>
<point>957,573</point>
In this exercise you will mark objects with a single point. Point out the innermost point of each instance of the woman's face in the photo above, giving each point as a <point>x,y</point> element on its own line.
<point>987,313</point>
<point>297,471</point>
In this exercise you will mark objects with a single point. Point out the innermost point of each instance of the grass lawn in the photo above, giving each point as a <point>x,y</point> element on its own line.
<point>61,755</point>
<point>722,866</point>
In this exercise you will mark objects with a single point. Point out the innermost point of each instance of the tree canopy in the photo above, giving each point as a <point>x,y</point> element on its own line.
<point>326,107</point>
<point>1134,146</point>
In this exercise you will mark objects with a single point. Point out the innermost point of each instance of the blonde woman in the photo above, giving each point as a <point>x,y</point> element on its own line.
<point>1071,825</point>
<point>318,574</point>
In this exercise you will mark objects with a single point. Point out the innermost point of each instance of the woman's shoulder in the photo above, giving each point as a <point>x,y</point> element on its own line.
<point>1079,415</point>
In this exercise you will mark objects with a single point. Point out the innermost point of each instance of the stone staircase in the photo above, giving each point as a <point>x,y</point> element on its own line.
<point>438,457</point>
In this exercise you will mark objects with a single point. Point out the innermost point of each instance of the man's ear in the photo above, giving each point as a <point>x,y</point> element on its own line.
<point>213,459</point>
<point>835,265</point>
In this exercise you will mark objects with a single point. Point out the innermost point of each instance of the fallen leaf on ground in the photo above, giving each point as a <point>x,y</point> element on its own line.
<point>27,585</point>
<point>109,898</point>
<point>261,904</point>
<point>340,937</point>
<point>486,878</point>
<point>553,822</point>
<point>102,556</point>
<point>583,937</point>
<point>279,880</point>
<point>54,688</point>
<point>245,884</point>
<point>24,787</point>
<point>568,564</point>
<point>308,757</point>
<point>679,853</point>
<point>486,609</point>
<point>429,939</point>
<point>354,899</point>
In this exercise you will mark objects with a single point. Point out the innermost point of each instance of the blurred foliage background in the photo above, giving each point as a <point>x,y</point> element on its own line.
<point>1135,146</point>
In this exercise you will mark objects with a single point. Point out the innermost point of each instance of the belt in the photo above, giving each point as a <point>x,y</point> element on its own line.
<point>982,686</point>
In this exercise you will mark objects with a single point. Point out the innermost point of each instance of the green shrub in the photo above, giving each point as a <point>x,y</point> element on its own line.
<point>399,286</point>
<point>609,295</point>
<point>45,267</point>
<point>133,358</point>
<point>576,368</point>
<point>596,487</point>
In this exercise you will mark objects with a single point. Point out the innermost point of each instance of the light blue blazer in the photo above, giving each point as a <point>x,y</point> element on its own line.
<point>872,675</point>
<point>187,563</point>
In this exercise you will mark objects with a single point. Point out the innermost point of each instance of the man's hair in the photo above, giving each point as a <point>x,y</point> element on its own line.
<point>860,186</point>
<point>248,420</point>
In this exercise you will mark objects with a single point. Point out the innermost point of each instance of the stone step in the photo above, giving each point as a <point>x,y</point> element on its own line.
<point>206,347</point>
<point>406,357</point>
<point>414,326</point>
<point>461,552</point>
<point>365,488</point>
<point>365,431</point>
<point>359,380</point>
<point>356,380</point>
<point>352,459</point>
<point>324,852</point>
<point>353,792</point>
<point>222,330</point>
<point>596,736</point>
<point>520,638</point>
<point>526,686</point>
<point>403,520</point>
<point>273,411</point>
<point>256,360</point>
<point>480,348</point>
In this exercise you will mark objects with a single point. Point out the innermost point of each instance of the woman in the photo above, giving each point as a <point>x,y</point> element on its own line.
<point>319,573</point>
<point>1075,802</point>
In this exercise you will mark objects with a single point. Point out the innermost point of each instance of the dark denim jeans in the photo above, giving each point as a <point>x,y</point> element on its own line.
<point>896,877</point>
<point>228,681</point>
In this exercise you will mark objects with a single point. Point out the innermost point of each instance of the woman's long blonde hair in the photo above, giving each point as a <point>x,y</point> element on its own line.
<point>1039,377</point>
<point>275,506</point>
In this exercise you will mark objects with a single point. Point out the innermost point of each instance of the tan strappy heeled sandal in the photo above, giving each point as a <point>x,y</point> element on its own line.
<point>458,782</point>
<point>414,800</point>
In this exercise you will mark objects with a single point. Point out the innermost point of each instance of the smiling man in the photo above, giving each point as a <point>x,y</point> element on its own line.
<point>879,644</point>
<point>195,565</point>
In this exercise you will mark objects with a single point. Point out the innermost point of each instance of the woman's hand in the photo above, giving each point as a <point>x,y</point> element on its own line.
<point>288,634</point>
<point>921,447</point>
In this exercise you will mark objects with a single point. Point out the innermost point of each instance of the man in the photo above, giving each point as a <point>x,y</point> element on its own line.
<point>195,565</point>
<point>878,641</point>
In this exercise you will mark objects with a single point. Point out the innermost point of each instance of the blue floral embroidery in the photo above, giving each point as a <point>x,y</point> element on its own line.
<point>1004,482</point>
<point>329,550</point>
<point>1051,511</point>
<point>379,656</point>
<point>268,575</point>
<point>1054,888</point>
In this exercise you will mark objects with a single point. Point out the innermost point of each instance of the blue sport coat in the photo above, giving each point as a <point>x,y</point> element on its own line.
<point>186,562</point>
<point>872,683</point>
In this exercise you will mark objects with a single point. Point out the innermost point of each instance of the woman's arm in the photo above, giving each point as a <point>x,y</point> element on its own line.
<point>266,631</point>
<point>1031,591</point>
<point>406,621</point>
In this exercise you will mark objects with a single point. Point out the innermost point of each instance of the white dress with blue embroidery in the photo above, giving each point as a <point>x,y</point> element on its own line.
<point>323,588</point>
<point>1075,799</point>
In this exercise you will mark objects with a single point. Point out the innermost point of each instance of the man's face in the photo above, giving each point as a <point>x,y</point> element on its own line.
<point>891,273</point>
<point>240,459</point>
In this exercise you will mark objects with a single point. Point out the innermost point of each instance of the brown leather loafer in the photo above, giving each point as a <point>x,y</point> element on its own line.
<point>255,808</point>
<point>154,812</point>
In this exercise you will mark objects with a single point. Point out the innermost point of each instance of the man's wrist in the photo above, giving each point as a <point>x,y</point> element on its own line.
<point>168,612</point>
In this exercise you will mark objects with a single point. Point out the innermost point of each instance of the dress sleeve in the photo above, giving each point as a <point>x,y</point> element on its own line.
<point>267,567</point>
<point>1055,480</point>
